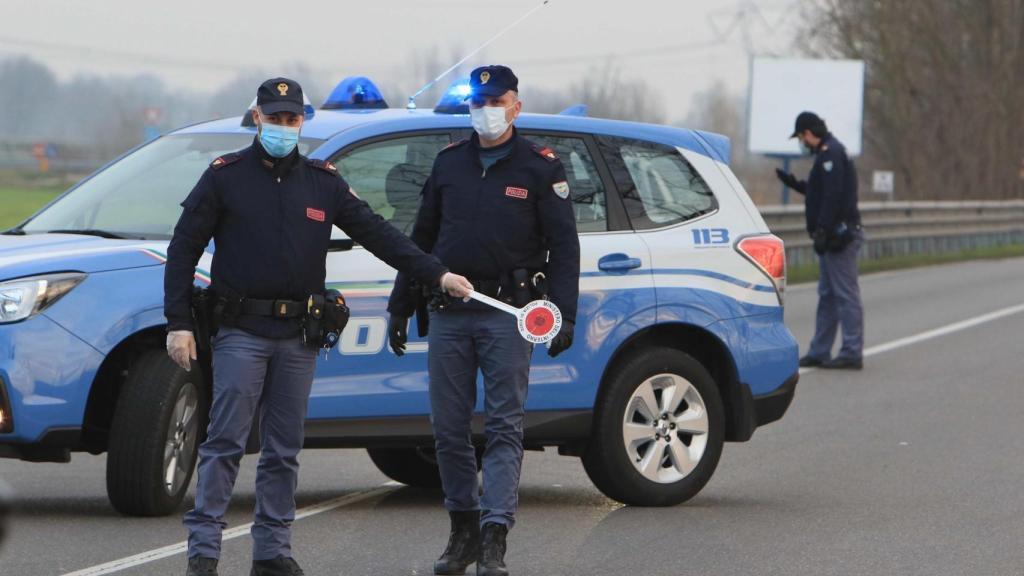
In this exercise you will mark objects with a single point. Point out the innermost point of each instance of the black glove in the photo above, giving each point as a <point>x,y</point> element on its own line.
<point>563,340</point>
<point>790,180</point>
<point>820,238</point>
<point>398,334</point>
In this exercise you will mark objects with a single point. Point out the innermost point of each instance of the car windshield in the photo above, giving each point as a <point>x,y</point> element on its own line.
<point>139,196</point>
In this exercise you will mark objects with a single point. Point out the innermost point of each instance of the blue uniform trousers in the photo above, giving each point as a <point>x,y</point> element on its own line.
<point>250,373</point>
<point>463,340</point>
<point>839,304</point>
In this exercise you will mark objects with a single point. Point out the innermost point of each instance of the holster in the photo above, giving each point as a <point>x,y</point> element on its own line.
<point>326,316</point>
<point>205,327</point>
<point>421,298</point>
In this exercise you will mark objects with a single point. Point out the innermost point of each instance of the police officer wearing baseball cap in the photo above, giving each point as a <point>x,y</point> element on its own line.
<point>270,211</point>
<point>496,209</point>
<point>833,222</point>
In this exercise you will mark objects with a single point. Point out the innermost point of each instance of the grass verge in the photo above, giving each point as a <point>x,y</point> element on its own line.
<point>809,273</point>
<point>17,203</point>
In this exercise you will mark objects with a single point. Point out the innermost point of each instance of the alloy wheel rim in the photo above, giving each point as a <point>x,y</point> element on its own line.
<point>665,428</point>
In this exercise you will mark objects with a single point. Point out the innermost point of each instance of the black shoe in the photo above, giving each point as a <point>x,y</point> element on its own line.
<point>492,550</point>
<point>201,566</point>
<point>279,566</point>
<point>810,362</point>
<point>463,543</point>
<point>844,364</point>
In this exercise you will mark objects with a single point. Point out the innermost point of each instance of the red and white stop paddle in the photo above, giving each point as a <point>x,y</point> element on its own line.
<point>539,321</point>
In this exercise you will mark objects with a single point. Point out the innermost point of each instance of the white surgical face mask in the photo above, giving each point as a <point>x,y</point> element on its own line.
<point>489,121</point>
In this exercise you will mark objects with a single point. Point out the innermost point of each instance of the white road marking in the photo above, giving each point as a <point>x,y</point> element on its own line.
<point>937,332</point>
<point>173,549</point>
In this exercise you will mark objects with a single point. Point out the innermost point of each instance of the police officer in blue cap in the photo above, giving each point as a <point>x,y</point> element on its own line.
<point>833,222</point>
<point>270,211</point>
<point>496,209</point>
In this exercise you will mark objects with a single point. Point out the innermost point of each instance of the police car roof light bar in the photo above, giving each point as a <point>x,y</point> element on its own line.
<point>355,93</point>
<point>412,99</point>
<point>454,99</point>
<point>538,322</point>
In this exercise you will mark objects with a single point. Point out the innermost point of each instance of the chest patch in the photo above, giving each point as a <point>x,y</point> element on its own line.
<point>827,166</point>
<point>514,192</point>
<point>314,214</point>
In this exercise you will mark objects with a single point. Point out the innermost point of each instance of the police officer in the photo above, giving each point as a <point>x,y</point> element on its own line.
<point>496,208</point>
<point>833,222</point>
<point>270,211</point>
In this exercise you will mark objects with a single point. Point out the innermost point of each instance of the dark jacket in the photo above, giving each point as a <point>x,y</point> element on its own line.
<point>270,220</point>
<point>831,189</point>
<point>484,224</point>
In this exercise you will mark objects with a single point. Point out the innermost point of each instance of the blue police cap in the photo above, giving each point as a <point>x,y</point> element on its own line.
<point>806,121</point>
<point>280,95</point>
<point>492,80</point>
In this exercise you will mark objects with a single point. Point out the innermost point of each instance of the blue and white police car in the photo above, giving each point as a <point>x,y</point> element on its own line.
<point>680,340</point>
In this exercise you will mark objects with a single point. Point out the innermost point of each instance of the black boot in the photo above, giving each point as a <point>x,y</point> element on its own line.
<point>201,566</point>
<point>463,543</point>
<point>492,550</point>
<point>280,566</point>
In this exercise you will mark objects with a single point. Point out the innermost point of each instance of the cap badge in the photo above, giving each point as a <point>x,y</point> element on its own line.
<point>484,77</point>
<point>283,88</point>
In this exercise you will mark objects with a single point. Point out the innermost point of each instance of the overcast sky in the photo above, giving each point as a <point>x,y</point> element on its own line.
<point>680,46</point>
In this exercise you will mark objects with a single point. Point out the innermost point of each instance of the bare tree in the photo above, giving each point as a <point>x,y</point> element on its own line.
<point>944,91</point>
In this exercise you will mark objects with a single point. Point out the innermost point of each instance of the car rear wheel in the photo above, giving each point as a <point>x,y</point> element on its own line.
<point>158,425</point>
<point>410,466</point>
<point>658,430</point>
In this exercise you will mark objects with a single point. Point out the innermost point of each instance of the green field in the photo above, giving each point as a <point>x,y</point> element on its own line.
<point>796,275</point>
<point>16,203</point>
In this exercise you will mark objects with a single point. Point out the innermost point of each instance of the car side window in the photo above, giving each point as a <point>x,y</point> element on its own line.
<point>390,174</point>
<point>658,186</point>
<point>585,185</point>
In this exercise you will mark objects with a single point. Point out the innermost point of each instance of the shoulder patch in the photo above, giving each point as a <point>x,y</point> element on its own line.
<point>453,145</point>
<point>545,153</point>
<point>323,165</point>
<point>561,189</point>
<point>224,160</point>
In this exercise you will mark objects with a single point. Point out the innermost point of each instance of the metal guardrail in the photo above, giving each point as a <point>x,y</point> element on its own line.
<point>910,228</point>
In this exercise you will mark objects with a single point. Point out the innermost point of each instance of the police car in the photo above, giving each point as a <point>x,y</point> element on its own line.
<point>680,340</point>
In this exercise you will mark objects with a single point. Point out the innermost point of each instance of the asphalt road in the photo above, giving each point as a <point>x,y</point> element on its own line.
<point>913,466</point>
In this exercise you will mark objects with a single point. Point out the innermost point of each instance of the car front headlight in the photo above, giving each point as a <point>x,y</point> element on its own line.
<point>25,297</point>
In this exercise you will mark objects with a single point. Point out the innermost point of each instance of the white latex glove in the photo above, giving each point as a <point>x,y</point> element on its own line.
<point>181,346</point>
<point>455,285</point>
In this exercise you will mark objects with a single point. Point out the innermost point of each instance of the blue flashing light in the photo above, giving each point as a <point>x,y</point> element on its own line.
<point>575,110</point>
<point>355,93</point>
<point>453,101</point>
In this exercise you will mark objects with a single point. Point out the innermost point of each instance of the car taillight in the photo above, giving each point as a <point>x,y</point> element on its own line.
<point>769,254</point>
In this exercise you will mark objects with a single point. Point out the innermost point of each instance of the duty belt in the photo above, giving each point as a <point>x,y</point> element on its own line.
<point>275,308</point>
<point>486,287</point>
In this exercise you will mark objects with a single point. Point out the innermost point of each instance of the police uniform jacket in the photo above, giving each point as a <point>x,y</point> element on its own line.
<point>483,224</point>
<point>271,221</point>
<point>831,189</point>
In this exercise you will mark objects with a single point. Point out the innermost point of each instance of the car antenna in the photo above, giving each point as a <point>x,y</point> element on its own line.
<point>412,99</point>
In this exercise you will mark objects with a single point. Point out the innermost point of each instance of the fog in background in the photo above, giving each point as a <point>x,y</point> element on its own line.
<point>83,75</point>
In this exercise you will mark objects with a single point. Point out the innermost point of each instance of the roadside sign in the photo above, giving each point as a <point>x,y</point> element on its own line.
<point>883,182</point>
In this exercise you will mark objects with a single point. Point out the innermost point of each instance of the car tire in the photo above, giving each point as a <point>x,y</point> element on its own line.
<point>410,466</point>
<point>159,422</point>
<point>640,467</point>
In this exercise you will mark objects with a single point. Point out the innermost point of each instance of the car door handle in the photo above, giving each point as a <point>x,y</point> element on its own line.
<point>618,263</point>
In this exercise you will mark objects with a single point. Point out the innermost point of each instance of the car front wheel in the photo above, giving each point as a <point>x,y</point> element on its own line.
<point>154,439</point>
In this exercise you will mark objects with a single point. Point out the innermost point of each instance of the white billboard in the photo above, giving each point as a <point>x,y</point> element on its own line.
<point>782,88</point>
